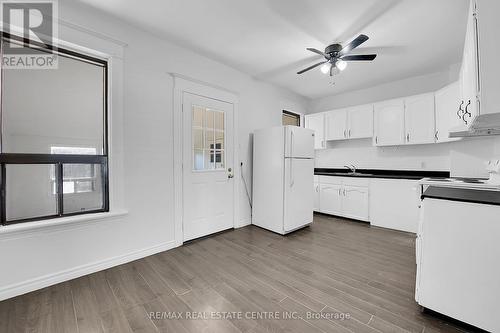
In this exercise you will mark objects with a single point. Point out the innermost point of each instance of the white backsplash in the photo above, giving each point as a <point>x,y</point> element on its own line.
<point>463,158</point>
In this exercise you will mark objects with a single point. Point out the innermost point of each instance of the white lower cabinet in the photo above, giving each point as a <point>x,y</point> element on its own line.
<point>330,199</point>
<point>386,203</point>
<point>394,204</point>
<point>355,202</point>
<point>344,196</point>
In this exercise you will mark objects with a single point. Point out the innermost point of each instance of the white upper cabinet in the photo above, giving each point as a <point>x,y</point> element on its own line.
<point>389,123</point>
<point>316,122</point>
<point>419,119</point>
<point>360,122</point>
<point>447,101</point>
<point>351,123</point>
<point>336,124</point>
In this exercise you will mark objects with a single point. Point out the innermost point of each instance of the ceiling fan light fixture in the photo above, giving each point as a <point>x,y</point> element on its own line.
<point>325,69</point>
<point>341,65</point>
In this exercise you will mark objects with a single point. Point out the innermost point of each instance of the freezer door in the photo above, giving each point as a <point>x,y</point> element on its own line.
<point>299,174</point>
<point>299,142</point>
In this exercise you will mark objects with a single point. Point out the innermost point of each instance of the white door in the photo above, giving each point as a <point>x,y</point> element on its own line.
<point>208,200</point>
<point>360,120</point>
<point>389,123</point>
<point>299,142</point>
<point>299,177</point>
<point>331,199</point>
<point>419,119</point>
<point>355,202</point>
<point>336,125</point>
<point>316,122</point>
<point>447,102</point>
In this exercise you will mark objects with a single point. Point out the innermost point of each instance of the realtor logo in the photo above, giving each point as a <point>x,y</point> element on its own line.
<point>30,32</point>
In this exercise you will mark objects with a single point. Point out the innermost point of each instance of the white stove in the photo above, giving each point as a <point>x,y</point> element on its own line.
<point>492,183</point>
<point>471,183</point>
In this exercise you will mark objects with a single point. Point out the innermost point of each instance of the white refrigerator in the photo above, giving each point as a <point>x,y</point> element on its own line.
<point>283,176</point>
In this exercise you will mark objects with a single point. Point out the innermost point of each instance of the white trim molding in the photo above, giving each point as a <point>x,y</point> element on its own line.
<point>73,273</point>
<point>185,84</point>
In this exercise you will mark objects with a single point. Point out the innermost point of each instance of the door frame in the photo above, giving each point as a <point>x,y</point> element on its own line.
<point>183,84</point>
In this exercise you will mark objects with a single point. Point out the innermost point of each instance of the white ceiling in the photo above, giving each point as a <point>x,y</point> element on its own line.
<point>267,38</point>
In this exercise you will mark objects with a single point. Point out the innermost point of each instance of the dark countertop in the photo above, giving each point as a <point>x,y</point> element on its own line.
<point>377,173</point>
<point>487,197</point>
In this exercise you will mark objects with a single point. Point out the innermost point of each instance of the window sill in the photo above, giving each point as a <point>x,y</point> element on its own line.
<point>60,223</point>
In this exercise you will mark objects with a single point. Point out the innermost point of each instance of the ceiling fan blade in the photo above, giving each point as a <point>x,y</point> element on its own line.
<point>311,67</point>
<point>317,51</point>
<point>354,44</point>
<point>359,57</point>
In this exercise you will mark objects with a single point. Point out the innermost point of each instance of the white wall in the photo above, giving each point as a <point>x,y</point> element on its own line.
<point>38,258</point>
<point>395,89</point>
<point>462,158</point>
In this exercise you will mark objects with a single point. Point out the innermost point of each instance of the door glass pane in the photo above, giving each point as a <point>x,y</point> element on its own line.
<point>197,138</point>
<point>82,188</point>
<point>219,130</point>
<point>207,138</point>
<point>198,160</point>
<point>29,191</point>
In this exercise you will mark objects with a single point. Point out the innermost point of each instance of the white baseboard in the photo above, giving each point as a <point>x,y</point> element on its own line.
<point>73,273</point>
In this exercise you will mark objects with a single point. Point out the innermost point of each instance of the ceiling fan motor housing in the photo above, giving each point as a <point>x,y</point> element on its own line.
<point>333,49</point>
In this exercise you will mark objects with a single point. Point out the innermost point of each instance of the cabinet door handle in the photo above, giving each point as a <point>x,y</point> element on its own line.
<point>344,192</point>
<point>407,137</point>
<point>376,139</point>
<point>340,192</point>
<point>349,133</point>
<point>345,133</point>
<point>460,110</point>
<point>466,112</point>
<point>436,135</point>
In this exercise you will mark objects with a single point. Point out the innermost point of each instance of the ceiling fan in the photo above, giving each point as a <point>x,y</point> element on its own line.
<point>336,56</point>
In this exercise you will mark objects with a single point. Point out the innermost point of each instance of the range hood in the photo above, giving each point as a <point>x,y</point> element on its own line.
<point>483,125</point>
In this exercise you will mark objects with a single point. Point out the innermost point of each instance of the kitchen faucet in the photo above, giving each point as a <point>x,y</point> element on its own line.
<point>351,167</point>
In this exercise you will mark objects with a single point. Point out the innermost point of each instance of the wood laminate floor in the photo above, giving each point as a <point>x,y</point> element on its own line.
<point>335,269</point>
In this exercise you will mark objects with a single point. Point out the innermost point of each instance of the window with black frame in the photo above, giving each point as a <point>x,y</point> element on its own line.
<point>290,118</point>
<point>54,154</point>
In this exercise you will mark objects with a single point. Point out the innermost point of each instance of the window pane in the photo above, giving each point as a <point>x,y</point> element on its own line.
<point>209,160</point>
<point>219,130</point>
<point>63,106</point>
<point>208,139</point>
<point>29,191</point>
<point>198,138</point>
<point>86,188</point>
<point>291,119</point>
<point>198,160</point>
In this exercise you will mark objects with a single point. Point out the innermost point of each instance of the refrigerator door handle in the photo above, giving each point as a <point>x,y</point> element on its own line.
<point>291,173</point>
<point>291,143</point>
